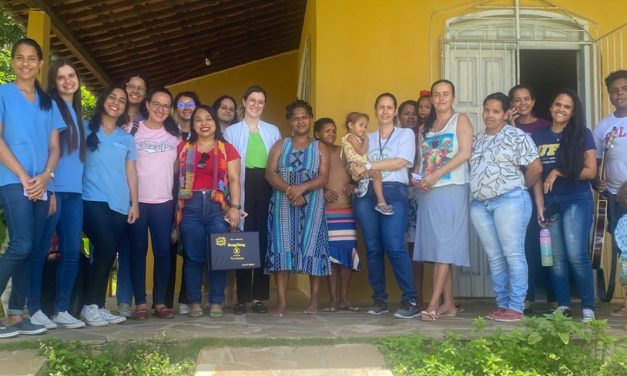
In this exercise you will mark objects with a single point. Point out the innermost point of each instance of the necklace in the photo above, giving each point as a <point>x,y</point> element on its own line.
<point>385,143</point>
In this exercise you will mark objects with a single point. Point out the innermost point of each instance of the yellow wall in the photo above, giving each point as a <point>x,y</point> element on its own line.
<point>278,75</point>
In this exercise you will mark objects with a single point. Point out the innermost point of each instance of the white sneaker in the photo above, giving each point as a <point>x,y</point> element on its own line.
<point>40,318</point>
<point>183,309</point>
<point>588,315</point>
<point>68,321</point>
<point>91,315</point>
<point>125,310</point>
<point>111,318</point>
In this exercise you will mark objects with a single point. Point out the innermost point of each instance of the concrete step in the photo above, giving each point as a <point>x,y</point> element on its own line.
<point>20,362</point>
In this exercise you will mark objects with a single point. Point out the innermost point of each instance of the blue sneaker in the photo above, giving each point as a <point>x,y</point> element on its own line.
<point>8,332</point>
<point>28,328</point>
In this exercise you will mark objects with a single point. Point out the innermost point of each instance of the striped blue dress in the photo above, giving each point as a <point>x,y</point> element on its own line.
<point>298,237</point>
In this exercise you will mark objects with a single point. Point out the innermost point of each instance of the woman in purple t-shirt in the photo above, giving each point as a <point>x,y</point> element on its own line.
<point>567,153</point>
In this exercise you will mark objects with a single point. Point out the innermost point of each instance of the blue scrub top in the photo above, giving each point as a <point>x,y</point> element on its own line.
<point>69,172</point>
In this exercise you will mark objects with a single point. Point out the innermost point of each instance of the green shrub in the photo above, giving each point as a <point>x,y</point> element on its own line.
<point>117,358</point>
<point>543,346</point>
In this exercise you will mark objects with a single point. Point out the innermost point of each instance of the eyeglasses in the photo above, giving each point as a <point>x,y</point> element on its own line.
<point>182,106</point>
<point>203,160</point>
<point>156,105</point>
<point>132,87</point>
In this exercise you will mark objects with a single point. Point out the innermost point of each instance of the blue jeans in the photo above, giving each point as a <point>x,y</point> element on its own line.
<point>385,235</point>
<point>25,222</point>
<point>201,217</point>
<point>570,233</point>
<point>67,221</point>
<point>501,224</point>
<point>157,218</point>
<point>124,286</point>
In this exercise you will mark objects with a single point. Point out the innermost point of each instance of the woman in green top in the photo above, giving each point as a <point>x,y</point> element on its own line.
<point>253,138</point>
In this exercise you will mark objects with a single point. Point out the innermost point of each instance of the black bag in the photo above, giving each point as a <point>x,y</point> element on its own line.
<point>235,250</point>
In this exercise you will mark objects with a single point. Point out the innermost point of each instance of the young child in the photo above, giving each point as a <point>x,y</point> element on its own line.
<point>621,240</point>
<point>340,220</point>
<point>355,150</point>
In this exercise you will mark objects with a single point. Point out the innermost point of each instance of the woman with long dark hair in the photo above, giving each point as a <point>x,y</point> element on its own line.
<point>64,87</point>
<point>208,202</point>
<point>253,138</point>
<point>226,108</point>
<point>567,153</point>
<point>109,180</point>
<point>29,153</point>
<point>156,139</point>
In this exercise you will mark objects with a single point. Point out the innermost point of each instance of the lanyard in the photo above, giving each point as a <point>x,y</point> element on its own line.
<point>386,142</point>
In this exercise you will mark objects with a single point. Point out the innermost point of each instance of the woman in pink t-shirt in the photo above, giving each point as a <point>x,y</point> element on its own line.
<point>156,139</point>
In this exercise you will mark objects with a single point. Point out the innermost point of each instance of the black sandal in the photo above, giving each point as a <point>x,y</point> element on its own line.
<point>259,307</point>
<point>239,309</point>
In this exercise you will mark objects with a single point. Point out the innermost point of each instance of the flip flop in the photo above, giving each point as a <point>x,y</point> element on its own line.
<point>448,314</point>
<point>348,308</point>
<point>330,309</point>
<point>428,316</point>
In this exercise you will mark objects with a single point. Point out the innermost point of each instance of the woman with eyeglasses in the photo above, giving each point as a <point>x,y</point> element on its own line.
<point>109,179</point>
<point>226,108</point>
<point>253,138</point>
<point>156,140</point>
<point>136,87</point>
<point>208,202</point>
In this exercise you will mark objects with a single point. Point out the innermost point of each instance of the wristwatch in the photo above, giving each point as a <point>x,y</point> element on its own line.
<point>50,172</point>
<point>368,166</point>
<point>236,206</point>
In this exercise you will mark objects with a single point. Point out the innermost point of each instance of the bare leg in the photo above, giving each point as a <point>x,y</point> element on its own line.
<point>345,281</point>
<point>332,281</point>
<point>440,272</point>
<point>377,184</point>
<point>314,284</point>
<point>448,305</point>
<point>281,278</point>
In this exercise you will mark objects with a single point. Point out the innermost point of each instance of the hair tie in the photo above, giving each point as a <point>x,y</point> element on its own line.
<point>425,93</point>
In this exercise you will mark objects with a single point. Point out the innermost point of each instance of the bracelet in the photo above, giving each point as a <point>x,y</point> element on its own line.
<point>236,206</point>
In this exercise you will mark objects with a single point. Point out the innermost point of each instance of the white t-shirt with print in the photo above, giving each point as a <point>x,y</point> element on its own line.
<point>400,144</point>
<point>616,157</point>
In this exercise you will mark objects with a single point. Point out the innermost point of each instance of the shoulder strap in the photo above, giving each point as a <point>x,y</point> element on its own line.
<point>135,128</point>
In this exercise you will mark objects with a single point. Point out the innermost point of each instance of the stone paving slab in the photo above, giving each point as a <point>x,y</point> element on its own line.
<point>20,362</point>
<point>345,359</point>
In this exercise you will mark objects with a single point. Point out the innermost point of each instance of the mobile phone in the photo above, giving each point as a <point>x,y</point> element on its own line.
<point>416,176</point>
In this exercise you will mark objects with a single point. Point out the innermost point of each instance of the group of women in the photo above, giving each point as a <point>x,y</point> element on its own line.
<point>133,170</point>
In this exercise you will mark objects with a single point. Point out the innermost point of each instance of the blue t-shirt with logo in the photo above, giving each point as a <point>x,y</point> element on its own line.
<point>26,130</point>
<point>69,173</point>
<point>548,144</point>
<point>104,177</point>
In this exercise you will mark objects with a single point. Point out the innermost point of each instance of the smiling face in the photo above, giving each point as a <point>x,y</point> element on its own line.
<point>522,101</point>
<point>408,116</point>
<point>185,107</point>
<point>226,111</point>
<point>115,104</point>
<point>159,107</point>
<point>204,124</point>
<point>66,81</point>
<point>254,104</point>
<point>136,90</point>
<point>26,63</point>
<point>327,134</point>
<point>385,110</point>
<point>442,97</point>
<point>493,116</point>
<point>300,122</point>
<point>618,94</point>
<point>562,109</point>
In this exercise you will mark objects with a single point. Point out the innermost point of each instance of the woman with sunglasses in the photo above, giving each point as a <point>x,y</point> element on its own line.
<point>253,138</point>
<point>109,179</point>
<point>226,108</point>
<point>208,202</point>
<point>156,140</point>
<point>136,87</point>
<point>185,103</point>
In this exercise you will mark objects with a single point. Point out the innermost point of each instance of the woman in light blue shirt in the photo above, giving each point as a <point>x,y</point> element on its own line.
<point>29,153</point>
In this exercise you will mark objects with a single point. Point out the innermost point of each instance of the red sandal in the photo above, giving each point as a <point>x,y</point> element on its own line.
<point>163,313</point>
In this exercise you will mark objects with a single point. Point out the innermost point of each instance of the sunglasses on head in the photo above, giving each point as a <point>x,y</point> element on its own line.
<point>203,160</point>
<point>182,105</point>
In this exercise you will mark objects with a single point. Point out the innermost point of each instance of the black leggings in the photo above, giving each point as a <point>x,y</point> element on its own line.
<point>104,228</point>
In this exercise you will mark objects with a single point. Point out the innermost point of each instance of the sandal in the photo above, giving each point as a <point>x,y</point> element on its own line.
<point>196,312</point>
<point>140,314</point>
<point>239,309</point>
<point>349,308</point>
<point>163,313</point>
<point>259,307</point>
<point>428,315</point>
<point>215,312</point>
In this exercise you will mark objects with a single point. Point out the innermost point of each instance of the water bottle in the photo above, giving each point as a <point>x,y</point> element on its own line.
<point>546,252</point>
